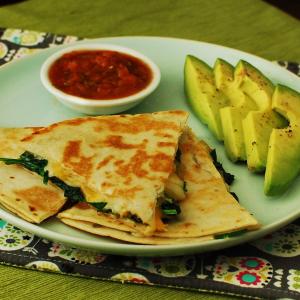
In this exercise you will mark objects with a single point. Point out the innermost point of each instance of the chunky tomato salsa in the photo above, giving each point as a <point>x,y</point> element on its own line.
<point>99,74</point>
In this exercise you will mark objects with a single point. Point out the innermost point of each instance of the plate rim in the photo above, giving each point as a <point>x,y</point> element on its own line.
<point>139,249</point>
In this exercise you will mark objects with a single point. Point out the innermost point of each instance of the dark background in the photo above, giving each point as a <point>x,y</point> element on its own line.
<point>292,7</point>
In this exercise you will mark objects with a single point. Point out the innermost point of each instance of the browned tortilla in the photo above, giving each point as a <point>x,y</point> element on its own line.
<point>130,237</point>
<point>207,210</point>
<point>22,191</point>
<point>121,160</point>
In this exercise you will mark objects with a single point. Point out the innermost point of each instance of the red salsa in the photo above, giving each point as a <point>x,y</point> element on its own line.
<point>99,74</point>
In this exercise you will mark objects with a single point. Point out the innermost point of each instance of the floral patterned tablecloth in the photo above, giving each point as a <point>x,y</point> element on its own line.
<point>266,268</point>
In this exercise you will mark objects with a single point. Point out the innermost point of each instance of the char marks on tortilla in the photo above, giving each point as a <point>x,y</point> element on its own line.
<point>22,191</point>
<point>127,168</point>
<point>208,209</point>
<point>122,160</point>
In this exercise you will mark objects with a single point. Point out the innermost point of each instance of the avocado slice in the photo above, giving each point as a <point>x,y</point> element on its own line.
<point>257,125</point>
<point>232,116</point>
<point>283,161</point>
<point>202,94</point>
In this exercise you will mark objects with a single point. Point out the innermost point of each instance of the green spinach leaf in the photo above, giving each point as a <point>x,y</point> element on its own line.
<point>230,234</point>
<point>37,165</point>
<point>170,208</point>
<point>31,162</point>
<point>228,178</point>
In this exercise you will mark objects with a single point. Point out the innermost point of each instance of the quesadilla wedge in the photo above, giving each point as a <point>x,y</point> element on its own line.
<point>208,208</point>
<point>129,237</point>
<point>118,164</point>
<point>22,191</point>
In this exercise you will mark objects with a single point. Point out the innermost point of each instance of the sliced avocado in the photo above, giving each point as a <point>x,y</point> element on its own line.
<point>257,125</point>
<point>232,116</point>
<point>254,83</point>
<point>202,94</point>
<point>283,162</point>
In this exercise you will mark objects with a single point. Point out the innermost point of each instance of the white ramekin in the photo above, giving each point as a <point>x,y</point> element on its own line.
<point>98,107</point>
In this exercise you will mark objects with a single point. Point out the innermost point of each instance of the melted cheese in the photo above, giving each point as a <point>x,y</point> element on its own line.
<point>174,187</point>
<point>160,226</point>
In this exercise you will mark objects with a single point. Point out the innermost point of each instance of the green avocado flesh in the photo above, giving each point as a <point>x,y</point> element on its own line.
<point>203,96</point>
<point>283,161</point>
<point>232,116</point>
<point>258,124</point>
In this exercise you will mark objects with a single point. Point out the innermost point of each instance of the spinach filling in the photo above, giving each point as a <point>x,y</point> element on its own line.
<point>178,155</point>
<point>37,165</point>
<point>228,178</point>
<point>30,162</point>
<point>135,218</point>
<point>235,196</point>
<point>73,194</point>
<point>170,207</point>
<point>185,187</point>
<point>230,234</point>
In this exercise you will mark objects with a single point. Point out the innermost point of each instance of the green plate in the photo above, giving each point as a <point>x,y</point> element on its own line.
<point>24,102</point>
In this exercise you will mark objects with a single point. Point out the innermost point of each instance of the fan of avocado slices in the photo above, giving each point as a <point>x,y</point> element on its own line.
<point>253,120</point>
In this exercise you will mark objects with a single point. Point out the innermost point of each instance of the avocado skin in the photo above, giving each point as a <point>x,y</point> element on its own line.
<point>202,95</point>
<point>283,161</point>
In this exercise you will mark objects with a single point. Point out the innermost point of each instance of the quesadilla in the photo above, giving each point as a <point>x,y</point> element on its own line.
<point>118,164</point>
<point>22,191</point>
<point>143,179</point>
<point>129,237</point>
<point>207,209</point>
